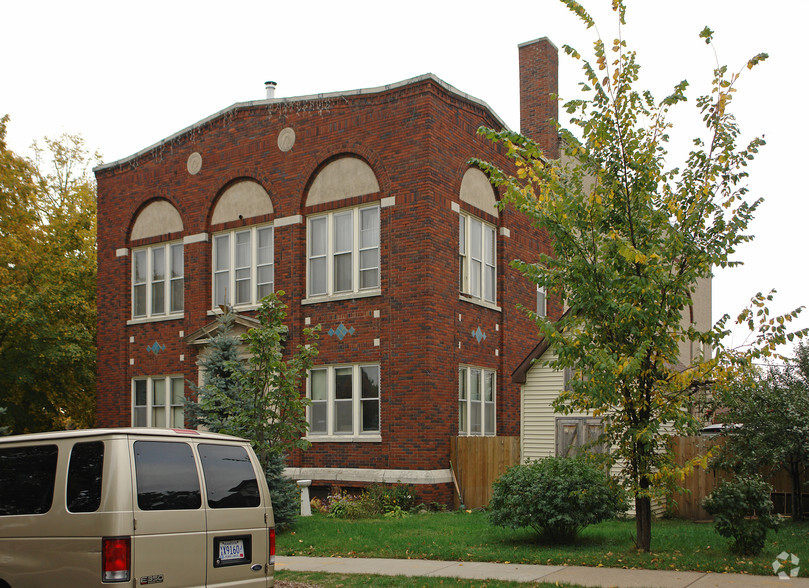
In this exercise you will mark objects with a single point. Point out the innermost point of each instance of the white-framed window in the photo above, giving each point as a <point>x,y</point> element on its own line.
<point>157,401</point>
<point>542,302</point>
<point>476,401</point>
<point>243,266</point>
<point>343,252</point>
<point>157,280</point>
<point>344,400</point>
<point>477,254</point>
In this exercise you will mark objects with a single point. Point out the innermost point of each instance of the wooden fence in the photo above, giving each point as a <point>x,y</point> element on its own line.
<point>477,462</point>
<point>702,481</point>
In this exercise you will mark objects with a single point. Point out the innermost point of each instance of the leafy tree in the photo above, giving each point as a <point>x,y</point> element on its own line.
<point>47,285</point>
<point>632,238</point>
<point>258,396</point>
<point>772,413</point>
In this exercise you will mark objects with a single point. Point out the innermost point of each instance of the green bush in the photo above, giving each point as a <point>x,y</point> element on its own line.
<point>557,497</point>
<point>742,511</point>
<point>392,501</point>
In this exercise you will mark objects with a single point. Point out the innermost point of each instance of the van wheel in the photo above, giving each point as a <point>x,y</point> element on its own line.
<point>4,585</point>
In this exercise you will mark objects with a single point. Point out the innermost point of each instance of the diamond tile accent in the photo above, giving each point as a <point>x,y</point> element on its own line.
<point>479,335</point>
<point>155,348</point>
<point>341,331</point>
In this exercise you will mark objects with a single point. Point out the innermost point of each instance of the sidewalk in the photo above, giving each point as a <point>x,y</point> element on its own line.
<point>584,576</point>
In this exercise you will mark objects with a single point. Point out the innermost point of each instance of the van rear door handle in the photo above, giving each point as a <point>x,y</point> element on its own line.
<point>256,567</point>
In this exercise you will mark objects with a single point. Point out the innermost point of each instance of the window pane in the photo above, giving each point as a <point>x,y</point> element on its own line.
<point>462,235</point>
<point>139,417</point>
<point>318,386</point>
<point>177,391</point>
<point>158,298</point>
<point>139,301</point>
<point>158,392</point>
<point>343,412</point>
<point>177,287</point>
<point>317,412</point>
<point>489,424</point>
<point>84,475</point>
<point>27,477</point>
<point>140,392</point>
<point>369,228</point>
<point>221,288</point>
<point>166,476</point>
<point>488,245</point>
<point>475,409</point>
<point>343,232</point>
<point>370,416</point>
<point>343,405</point>
<point>489,282</point>
<point>474,385</point>
<point>243,254</point>
<point>488,387</point>
<point>343,271</point>
<point>317,276</point>
<point>243,286</point>
<point>317,236</point>
<point>462,383</point>
<point>343,383</point>
<point>158,403</point>
<point>222,253</point>
<point>370,381</point>
<point>369,268</point>
<point>475,234</point>
<point>139,271</point>
<point>462,426</point>
<point>265,246</point>
<point>230,479</point>
<point>474,278</point>
<point>158,264</point>
<point>177,267</point>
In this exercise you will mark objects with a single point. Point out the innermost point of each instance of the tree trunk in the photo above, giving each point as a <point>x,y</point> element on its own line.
<point>795,475</point>
<point>643,522</point>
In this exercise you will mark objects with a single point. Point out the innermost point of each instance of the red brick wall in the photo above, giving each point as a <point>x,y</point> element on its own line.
<point>417,139</point>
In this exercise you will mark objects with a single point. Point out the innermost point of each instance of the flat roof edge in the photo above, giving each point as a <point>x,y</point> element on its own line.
<point>326,95</point>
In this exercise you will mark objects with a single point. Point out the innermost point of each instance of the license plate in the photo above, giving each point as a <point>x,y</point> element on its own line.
<point>231,550</point>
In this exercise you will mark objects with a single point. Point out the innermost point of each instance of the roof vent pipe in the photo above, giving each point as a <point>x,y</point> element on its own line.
<point>270,87</point>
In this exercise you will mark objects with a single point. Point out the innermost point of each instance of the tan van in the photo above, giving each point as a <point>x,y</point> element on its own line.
<point>133,507</point>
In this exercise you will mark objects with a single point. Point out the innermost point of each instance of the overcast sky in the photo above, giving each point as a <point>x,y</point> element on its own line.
<point>125,75</point>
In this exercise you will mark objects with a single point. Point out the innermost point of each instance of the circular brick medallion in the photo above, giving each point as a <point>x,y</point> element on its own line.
<point>194,163</point>
<point>286,139</point>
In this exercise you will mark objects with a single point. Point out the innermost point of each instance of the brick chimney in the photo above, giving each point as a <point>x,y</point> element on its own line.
<point>539,81</point>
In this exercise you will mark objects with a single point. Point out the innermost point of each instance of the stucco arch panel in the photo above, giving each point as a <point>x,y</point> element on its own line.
<point>478,191</point>
<point>244,199</point>
<point>158,218</point>
<point>346,177</point>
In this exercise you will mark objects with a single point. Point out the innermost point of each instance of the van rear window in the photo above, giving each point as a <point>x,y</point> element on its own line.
<point>84,476</point>
<point>229,476</point>
<point>166,476</point>
<point>27,476</point>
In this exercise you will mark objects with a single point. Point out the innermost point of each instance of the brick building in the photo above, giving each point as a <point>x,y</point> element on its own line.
<point>363,208</point>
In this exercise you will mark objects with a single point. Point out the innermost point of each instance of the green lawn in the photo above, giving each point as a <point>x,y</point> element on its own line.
<point>462,536</point>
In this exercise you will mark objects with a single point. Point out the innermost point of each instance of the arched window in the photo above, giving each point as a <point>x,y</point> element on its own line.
<point>243,259</point>
<point>477,239</point>
<point>343,245</point>
<point>157,270</point>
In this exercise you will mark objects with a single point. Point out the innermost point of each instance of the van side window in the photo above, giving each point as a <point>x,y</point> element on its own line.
<point>229,477</point>
<point>27,476</point>
<point>166,476</point>
<point>84,474</point>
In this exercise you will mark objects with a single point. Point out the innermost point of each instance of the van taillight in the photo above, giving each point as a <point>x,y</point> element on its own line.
<point>115,559</point>
<point>272,547</point>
